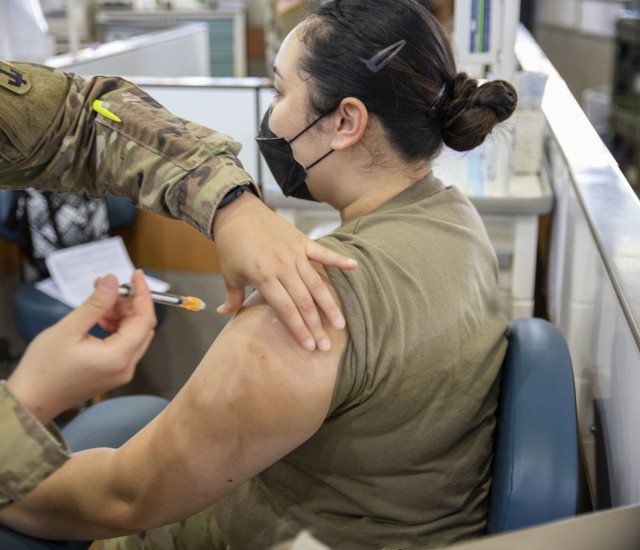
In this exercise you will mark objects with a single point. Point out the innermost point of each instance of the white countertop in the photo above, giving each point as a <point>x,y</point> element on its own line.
<point>524,194</point>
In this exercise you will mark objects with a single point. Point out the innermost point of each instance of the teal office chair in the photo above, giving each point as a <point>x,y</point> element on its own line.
<point>109,423</point>
<point>34,311</point>
<point>535,471</point>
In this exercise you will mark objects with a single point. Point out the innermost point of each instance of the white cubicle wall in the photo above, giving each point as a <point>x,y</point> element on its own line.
<point>226,23</point>
<point>227,105</point>
<point>182,51</point>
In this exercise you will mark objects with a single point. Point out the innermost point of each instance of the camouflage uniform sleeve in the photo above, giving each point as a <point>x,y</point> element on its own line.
<point>52,138</point>
<point>29,452</point>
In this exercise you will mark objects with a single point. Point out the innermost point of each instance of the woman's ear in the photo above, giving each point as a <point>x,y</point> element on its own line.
<point>351,120</point>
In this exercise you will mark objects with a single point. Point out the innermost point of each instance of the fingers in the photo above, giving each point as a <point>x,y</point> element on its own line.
<point>141,301</point>
<point>324,300</point>
<point>234,300</point>
<point>318,253</point>
<point>274,257</point>
<point>296,295</point>
<point>135,357</point>
<point>139,304</point>
<point>102,299</point>
<point>318,288</point>
<point>134,328</point>
<point>132,338</point>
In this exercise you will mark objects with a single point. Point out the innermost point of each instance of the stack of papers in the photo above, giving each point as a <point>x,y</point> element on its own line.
<point>74,270</point>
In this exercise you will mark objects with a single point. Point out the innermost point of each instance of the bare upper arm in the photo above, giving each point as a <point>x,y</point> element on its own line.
<point>256,395</point>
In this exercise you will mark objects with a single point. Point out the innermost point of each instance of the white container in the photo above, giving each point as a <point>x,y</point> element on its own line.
<point>530,126</point>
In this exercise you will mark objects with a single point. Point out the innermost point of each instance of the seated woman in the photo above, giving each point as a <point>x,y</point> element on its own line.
<point>385,439</point>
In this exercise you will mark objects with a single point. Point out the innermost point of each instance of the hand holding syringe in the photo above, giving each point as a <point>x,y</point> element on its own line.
<point>187,302</point>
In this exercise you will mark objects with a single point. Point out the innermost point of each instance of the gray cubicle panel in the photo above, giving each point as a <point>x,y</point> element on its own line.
<point>225,21</point>
<point>182,51</point>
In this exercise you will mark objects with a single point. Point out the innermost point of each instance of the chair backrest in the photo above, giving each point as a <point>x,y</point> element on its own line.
<point>8,231</point>
<point>120,212</point>
<point>535,471</point>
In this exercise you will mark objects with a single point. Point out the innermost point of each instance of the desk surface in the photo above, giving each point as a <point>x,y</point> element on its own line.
<point>618,529</point>
<point>525,195</point>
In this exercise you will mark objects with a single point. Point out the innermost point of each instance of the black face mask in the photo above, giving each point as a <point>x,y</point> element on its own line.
<point>290,175</point>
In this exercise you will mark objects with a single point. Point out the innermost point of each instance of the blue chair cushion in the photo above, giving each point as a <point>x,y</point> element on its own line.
<point>11,540</point>
<point>8,231</point>
<point>112,422</point>
<point>34,311</point>
<point>120,211</point>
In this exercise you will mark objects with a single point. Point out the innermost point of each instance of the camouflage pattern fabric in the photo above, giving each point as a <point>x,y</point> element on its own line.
<point>52,138</point>
<point>28,454</point>
<point>199,532</point>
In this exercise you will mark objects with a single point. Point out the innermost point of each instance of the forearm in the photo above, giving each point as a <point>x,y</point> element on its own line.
<point>102,493</point>
<point>32,462</point>
<point>75,502</point>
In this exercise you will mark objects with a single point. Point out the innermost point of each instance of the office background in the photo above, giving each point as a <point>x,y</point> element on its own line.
<point>579,39</point>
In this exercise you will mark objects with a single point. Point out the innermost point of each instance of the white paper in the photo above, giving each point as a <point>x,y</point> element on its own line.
<point>73,270</point>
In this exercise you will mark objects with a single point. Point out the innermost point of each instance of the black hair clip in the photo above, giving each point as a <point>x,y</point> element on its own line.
<point>435,104</point>
<point>379,60</point>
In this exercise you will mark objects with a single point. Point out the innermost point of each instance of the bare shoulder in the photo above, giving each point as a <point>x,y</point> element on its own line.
<point>257,338</point>
<point>257,367</point>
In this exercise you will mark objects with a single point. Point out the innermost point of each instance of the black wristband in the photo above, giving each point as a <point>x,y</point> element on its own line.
<point>233,195</point>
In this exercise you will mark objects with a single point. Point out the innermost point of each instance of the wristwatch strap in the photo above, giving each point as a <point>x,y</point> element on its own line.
<point>233,195</point>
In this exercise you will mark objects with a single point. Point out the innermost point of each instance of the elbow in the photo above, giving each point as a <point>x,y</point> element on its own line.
<point>129,516</point>
<point>132,501</point>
